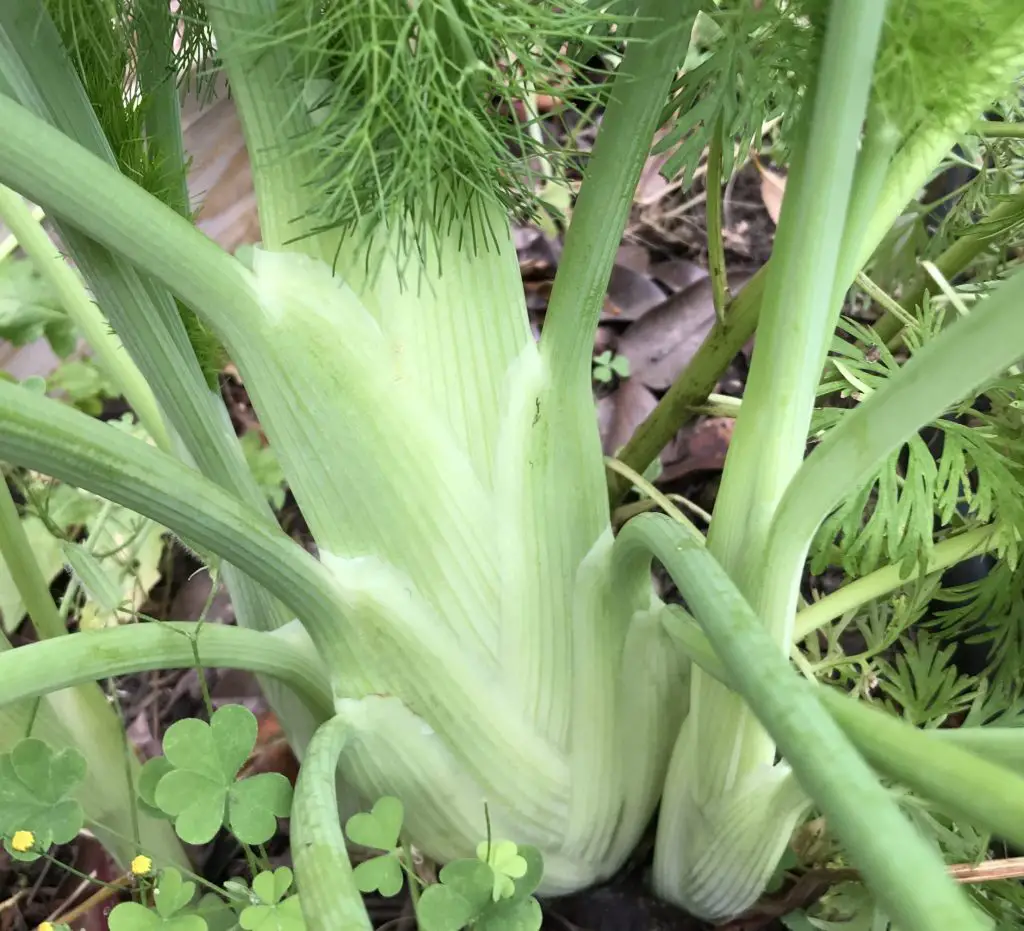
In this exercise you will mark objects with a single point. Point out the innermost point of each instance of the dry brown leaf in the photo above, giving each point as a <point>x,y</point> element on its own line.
<point>624,410</point>
<point>664,340</point>
<point>773,189</point>
<point>630,295</point>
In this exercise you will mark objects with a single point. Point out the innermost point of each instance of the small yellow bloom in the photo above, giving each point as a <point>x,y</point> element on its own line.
<point>141,865</point>
<point>45,926</point>
<point>22,841</point>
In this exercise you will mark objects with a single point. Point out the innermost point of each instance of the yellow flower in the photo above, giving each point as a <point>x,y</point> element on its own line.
<point>141,865</point>
<point>22,841</point>
<point>45,926</point>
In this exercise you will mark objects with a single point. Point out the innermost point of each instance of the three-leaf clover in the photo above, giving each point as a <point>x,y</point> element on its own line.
<point>466,892</point>
<point>274,912</point>
<point>504,859</point>
<point>607,365</point>
<point>378,828</point>
<point>171,897</point>
<point>196,782</point>
<point>35,796</point>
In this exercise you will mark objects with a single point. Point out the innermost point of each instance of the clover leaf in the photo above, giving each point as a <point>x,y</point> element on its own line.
<point>378,828</point>
<point>171,896</point>
<point>504,859</point>
<point>199,787</point>
<point>465,894</point>
<point>36,784</point>
<point>274,912</point>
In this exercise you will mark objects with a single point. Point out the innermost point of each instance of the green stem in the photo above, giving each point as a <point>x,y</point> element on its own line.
<point>268,94</point>
<point>951,263</point>
<point>903,869</point>
<point>50,169</point>
<point>50,665</point>
<point>656,45</point>
<point>962,783</point>
<point>53,268</point>
<point>797,313</point>
<point>994,129</point>
<point>329,897</point>
<point>910,753</point>
<point>910,168</point>
<point>693,385</point>
<point>158,82</point>
<point>40,433</point>
<point>947,369</point>
<point>889,578</point>
<point>716,245</point>
<point>21,563</point>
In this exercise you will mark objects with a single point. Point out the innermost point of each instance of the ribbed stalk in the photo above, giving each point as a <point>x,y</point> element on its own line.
<point>797,316</point>
<point>904,870</point>
<point>269,100</point>
<point>328,893</point>
<point>88,656</point>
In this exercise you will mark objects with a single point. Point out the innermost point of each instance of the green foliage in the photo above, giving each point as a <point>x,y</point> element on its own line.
<point>171,896</point>
<point>607,366</point>
<point>29,310</point>
<point>36,795</point>
<point>390,87</point>
<point>974,477</point>
<point>83,383</point>
<point>274,912</point>
<point>378,829</point>
<point>104,42</point>
<point>121,552</point>
<point>753,60</point>
<point>265,468</point>
<point>490,893</point>
<point>196,780</point>
<point>922,680</point>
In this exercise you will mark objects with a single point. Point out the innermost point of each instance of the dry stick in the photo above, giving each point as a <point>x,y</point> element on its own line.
<point>99,896</point>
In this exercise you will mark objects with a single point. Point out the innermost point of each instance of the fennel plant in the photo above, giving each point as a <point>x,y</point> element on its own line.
<point>472,638</point>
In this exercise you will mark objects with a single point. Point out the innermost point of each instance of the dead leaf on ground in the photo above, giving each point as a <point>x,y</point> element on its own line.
<point>630,295</point>
<point>662,342</point>
<point>703,450</point>
<point>635,257</point>
<point>773,189</point>
<point>625,409</point>
<point>678,274</point>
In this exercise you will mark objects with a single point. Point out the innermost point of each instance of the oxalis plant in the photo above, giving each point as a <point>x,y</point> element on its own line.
<point>473,651</point>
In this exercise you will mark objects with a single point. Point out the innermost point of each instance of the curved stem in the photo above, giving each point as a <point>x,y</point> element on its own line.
<point>42,434</point>
<point>902,868</point>
<point>50,665</point>
<point>52,267</point>
<point>81,188</point>
<point>329,897</point>
<point>656,44</point>
<point>21,563</point>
